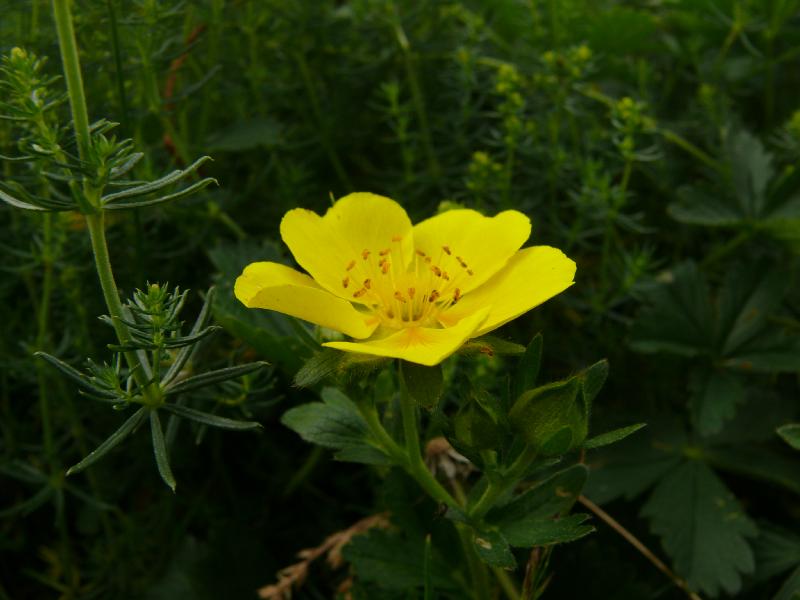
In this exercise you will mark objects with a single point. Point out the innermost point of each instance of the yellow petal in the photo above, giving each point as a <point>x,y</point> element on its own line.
<point>332,248</point>
<point>470,246</point>
<point>422,345</point>
<point>277,287</point>
<point>532,276</point>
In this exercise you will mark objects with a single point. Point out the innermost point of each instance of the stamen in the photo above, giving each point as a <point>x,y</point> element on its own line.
<point>350,266</point>
<point>397,238</point>
<point>345,282</point>
<point>359,293</point>
<point>384,265</point>
<point>368,283</point>
<point>436,271</point>
<point>434,296</point>
<point>420,253</point>
<point>456,295</point>
<point>365,254</point>
<point>461,262</point>
<point>446,250</point>
<point>385,251</point>
<point>469,272</point>
<point>411,292</point>
<point>445,276</point>
<point>399,296</point>
<point>428,259</point>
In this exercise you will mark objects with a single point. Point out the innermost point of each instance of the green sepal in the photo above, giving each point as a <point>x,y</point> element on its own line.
<point>491,345</point>
<point>329,363</point>
<point>527,369</point>
<point>612,437</point>
<point>790,434</point>
<point>424,384</point>
<point>479,424</point>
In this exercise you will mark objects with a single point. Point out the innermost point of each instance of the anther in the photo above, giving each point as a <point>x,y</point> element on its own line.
<point>385,251</point>
<point>411,292</point>
<point>397,238</point>
<point>420,253</point>
<point>384,265</point>
<point>399,296</point>
<point>445,276</point>
<point>365,254</point>
<point>345,282</point>
<point>461,262</point>
<point>428,259</point>
<point>350,266</point>
<point>446,250</point>
<point>359,293</point>
<point>436,271</point>
<point>469,272</point>
<point>368,283</point>
<point>456,295</point>
<point>434,296</point>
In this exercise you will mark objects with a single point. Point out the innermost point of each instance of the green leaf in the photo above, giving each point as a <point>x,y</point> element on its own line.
<point>612,437</point>
<point>527,370</point>
<point>426,570</point>
<point>76,376</point>
<point>424,384</point>
<point>777,551</point>
<point>493,549</point>
<point>334,423</point>
<point>703,528</point>
<point>212,377</point>
<point>757,462</point>
<point>592,379</point>
<point>627,469</point>
<point>395,561</point>
<point>113,440</point>
<point>112,200</point>
<point>537,517</point>
<point>678,317</point>
<point>210,419</point>
<point>160,450</point>
<point>715,396</point>
<point>790,434</point>
<point>699,207</point>
<point>184,193</point>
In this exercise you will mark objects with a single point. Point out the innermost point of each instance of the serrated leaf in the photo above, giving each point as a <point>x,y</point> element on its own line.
<point>395,562</point>
<point>537,517</point>
<point>678,317</point>
<point>790,434</point>
<point>715,396</point>
<point>493,549</point>
<point>627,469</point>
<point>777,551</point>
<point>758,462</point>
<point>210,419</point>
<point>113,440</point>
<point>612,437</point>
<point>333,423</point>
<point>703,528</point>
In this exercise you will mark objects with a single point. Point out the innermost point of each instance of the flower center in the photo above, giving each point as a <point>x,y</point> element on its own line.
<point>406,297</point>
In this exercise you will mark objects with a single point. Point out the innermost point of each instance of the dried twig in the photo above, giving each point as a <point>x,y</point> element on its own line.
<point>293,576</point>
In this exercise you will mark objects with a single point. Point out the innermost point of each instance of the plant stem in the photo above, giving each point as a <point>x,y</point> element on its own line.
<point>72,74</point>
<point>477,568</point>
<point>497,488</point>
<point>505,582</point>
<point>686,145</point>
<point>41,336</point>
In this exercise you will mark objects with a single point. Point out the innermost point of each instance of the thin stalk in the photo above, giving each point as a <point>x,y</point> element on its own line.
<point>686,145</point>
<point>97,232</point>
<point>508,586</point>
<point>43,318</point>
<point>123,98</point>
<point>497,488</point>
<point>634,541</point>
<point>727,248</point>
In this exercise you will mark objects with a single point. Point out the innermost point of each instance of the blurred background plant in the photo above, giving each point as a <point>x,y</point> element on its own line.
<point>655,142</point>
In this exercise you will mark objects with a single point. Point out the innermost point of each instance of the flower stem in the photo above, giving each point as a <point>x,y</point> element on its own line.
<point>497,488</point>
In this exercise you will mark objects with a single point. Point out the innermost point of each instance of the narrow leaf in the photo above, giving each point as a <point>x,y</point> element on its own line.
<point>160,450</point>
<point>211,419</point>
<point>790,434</point>
<point>113,440</point>
<point>74,375</point>
<point>156,185</point>
<point>212,377</point>
<point>528,368</point>
<point>188,191</point>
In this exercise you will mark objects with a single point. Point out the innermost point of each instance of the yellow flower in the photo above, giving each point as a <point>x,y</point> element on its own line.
<point>411,292</point>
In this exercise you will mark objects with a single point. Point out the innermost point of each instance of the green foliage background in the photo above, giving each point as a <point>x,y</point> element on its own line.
<point>656,143</point>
